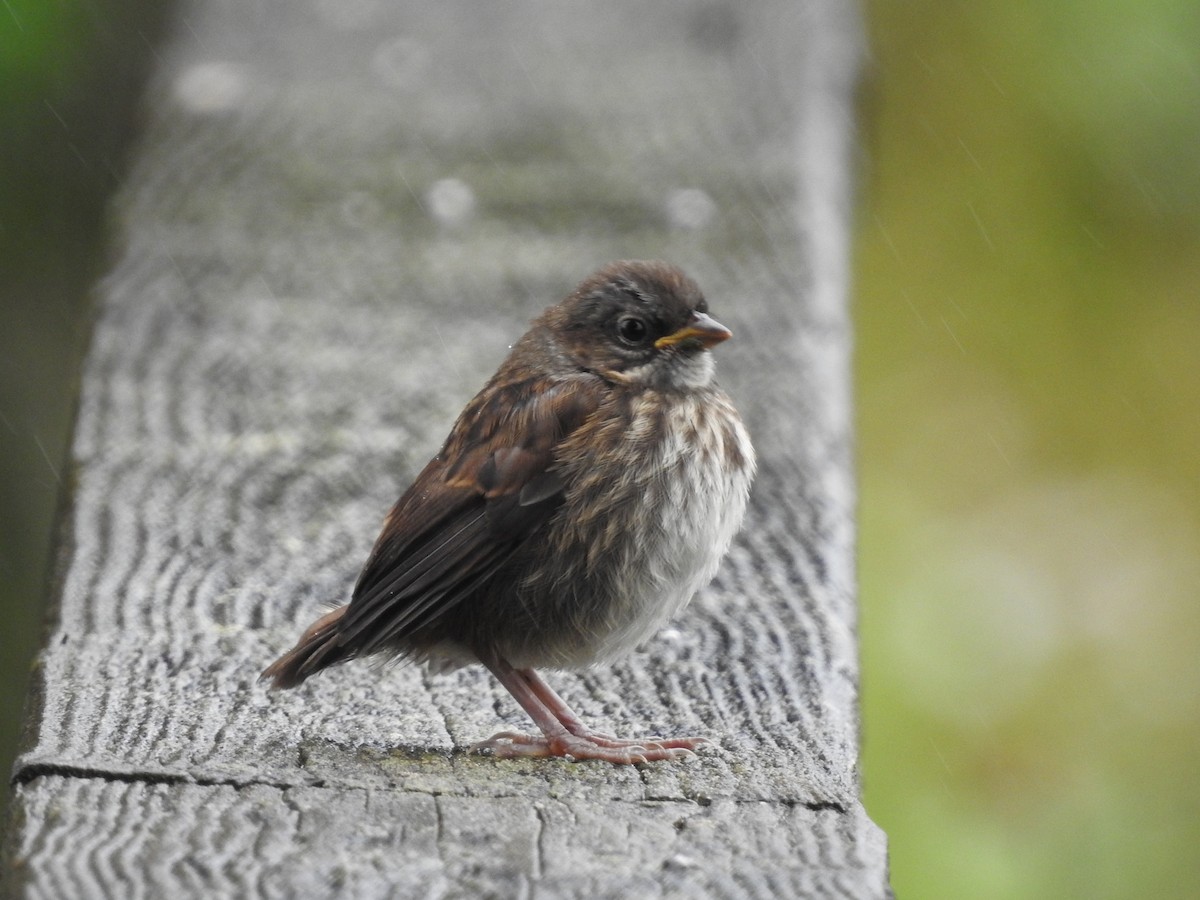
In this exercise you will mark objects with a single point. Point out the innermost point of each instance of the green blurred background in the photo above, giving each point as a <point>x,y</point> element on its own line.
<point>70,75</point>
<point>1028,367</point>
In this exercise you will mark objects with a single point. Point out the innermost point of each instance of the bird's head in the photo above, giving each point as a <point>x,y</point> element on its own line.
<point>638,323</point>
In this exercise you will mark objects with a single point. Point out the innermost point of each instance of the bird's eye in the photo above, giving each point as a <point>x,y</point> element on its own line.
<point>631,330</point>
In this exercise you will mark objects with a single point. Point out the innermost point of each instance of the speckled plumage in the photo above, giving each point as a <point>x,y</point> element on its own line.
<point>581,499</point>
<point>627,550</point>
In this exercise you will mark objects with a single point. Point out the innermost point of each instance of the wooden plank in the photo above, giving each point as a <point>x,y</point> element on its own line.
<point>263,841</point>
<point>301,304</point>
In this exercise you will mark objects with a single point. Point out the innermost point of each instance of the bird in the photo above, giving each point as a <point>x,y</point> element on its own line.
<point>579,502</point>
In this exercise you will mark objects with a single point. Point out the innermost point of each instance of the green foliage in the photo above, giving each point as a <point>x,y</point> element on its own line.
<point>1028,319</point>
<point>69,72</point>
<point>36,37</point>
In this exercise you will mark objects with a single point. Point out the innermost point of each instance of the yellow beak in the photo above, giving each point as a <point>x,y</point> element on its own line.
<point>703,329</point>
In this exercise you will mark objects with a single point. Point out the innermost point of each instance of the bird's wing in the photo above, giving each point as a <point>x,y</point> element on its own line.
<point>491,486</point>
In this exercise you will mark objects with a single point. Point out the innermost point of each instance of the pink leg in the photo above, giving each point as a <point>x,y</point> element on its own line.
<point>558,706</point>
<point>563,734</point>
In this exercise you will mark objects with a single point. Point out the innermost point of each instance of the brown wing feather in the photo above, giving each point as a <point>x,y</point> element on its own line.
<point>475,503</point>
<point>470,509</point>
<point>316,649</point>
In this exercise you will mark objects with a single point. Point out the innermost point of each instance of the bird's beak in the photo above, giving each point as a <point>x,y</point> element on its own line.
<point>703,329</point>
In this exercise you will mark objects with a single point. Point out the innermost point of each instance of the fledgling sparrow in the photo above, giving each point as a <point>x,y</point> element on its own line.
<point>581,499</point>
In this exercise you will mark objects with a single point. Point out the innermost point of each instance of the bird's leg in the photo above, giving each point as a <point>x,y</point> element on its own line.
<point>558,706</point>
<point>563,734</point>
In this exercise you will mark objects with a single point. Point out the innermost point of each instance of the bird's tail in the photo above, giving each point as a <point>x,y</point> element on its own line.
<point>317,648</point>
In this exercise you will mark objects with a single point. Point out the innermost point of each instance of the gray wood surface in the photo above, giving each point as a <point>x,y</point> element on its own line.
<point>300,304</point>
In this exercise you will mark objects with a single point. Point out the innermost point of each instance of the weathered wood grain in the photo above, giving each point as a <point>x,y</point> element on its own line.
<point>265,841</point>
<point>290,326</point>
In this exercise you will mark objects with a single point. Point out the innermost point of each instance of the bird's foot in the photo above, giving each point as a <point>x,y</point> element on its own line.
<point>576,747</point>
